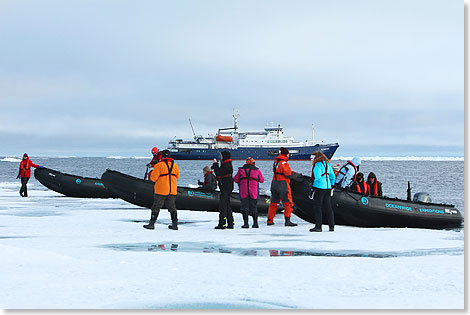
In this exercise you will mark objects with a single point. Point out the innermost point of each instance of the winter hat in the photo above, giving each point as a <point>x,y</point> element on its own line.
<point>250,160</point>
<point>371,175</point>
<point>359,176</point>
<point>25,155</point>
<point>225,155</point>
<point>356,161</point>
<point>284,151</point>
<point>154,150</point>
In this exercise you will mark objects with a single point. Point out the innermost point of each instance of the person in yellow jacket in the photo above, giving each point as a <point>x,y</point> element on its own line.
<point>165,174</point>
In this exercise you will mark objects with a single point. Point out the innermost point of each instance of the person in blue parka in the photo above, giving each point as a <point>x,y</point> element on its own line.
<point>347,173</point>
<point>323,178</point>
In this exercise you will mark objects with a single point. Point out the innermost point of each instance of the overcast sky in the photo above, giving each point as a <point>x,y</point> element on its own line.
<point>102,78</point>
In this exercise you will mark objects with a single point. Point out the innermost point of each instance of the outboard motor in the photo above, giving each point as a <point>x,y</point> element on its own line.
<point>422,196</point>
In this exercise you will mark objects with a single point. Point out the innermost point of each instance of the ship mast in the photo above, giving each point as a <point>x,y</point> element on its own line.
<point>313,135</point>
<point>235,116</point>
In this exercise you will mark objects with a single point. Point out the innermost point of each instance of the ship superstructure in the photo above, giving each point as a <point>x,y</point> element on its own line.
<point>257,144</point>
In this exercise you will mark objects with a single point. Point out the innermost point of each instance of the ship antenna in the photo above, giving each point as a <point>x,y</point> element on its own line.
<point>235,116</point>
<point>313,135</point>
<point>194,134</point>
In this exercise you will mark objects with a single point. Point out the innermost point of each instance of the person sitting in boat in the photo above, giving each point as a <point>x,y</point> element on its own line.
<point>224,176</point>
<point>280,188</point>
<point>374,187</point>
<point>347,173</point>
<point>156,157</point>
<point>210,181</point>
<point>165,175</point>
<point>25,173</point>
<point>359,184</point>
<point>248,178</point>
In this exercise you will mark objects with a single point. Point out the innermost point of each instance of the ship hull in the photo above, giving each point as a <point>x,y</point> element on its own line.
<point>297,153</point>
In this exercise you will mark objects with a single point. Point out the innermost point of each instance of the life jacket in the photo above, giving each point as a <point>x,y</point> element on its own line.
<point>376,186</point>
<point>25,165</point>
<point>170,169</point>
<point>344,174</point>
<point>276,171</point>
<point>226,175</point>
<point>361,187</point>
<point>156,158</point>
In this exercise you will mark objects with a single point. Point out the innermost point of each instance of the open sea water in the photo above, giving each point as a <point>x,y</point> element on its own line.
<point>443,179</point>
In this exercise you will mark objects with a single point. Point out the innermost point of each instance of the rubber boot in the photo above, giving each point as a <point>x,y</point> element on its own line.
<point>316,229</point>
<point>245,220</point>
<point>288,223</point>
<point>222,225</point>
<point>153,219</point>
<point>174,221</point>
<point>255,221</point>
<point>230,222</point>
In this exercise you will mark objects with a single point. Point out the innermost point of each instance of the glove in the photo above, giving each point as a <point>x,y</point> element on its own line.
<point>40,166</point>
<point>200,183</point>
<point>18,177</point>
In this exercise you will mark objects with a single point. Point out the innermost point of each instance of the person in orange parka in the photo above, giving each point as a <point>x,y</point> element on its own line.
<point>165,175</point>
<point>280,188</point>
<point>25,173</point>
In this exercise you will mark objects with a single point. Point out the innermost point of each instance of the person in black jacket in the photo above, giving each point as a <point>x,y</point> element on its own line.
<point>374,187</point>
<point>224,175</point>
<point>359,184</point>
<point>210,181</point>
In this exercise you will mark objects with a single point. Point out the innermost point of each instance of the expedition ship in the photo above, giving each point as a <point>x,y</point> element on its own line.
<point>260,145</point>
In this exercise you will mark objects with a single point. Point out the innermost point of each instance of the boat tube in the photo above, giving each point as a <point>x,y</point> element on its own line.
<point>72,185</point>
<point>140,192</point>
<point>356,209</point>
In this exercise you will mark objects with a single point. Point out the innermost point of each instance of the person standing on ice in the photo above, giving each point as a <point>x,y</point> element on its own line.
<point>323,178</point>
<point>280,188</point>
<point>156,157</point>
<point>347,172</point>
<point>25,173</point>
<point>224,175</point>
<point>248,178</point>
<point>165,175</point>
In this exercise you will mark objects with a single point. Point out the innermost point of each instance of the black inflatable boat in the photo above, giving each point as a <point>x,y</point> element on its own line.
<point>356,209</point>
<point>140,192</point>
<point>72,185</point>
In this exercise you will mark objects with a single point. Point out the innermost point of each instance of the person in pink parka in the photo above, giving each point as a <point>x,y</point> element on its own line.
<point>248,178</point>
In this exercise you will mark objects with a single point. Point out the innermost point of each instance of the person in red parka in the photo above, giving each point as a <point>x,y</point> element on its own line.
<point>25,173</point>
<point>280,188</point>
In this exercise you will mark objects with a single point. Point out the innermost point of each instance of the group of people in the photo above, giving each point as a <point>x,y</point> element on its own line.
<point>165,174</point>
<point>350,177</point>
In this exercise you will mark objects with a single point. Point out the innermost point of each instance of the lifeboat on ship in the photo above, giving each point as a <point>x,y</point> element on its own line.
<point>224,138</point>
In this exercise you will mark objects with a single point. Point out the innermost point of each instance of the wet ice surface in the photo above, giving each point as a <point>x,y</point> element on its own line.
<point>192,247</point>
<point>60,252</point>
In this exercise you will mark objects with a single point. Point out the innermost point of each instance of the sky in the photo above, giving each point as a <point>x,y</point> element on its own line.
<point>100,78</point>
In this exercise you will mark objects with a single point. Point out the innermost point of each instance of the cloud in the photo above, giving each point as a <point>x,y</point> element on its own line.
<point>111,74</point>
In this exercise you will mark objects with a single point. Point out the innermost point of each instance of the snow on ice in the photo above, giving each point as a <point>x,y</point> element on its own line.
<point>60,252</point>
